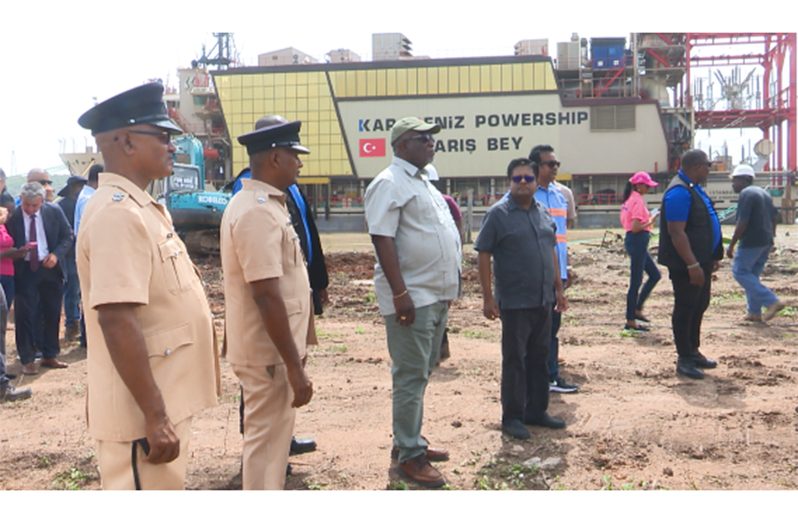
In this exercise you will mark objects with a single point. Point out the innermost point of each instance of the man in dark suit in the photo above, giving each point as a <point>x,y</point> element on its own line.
<point>43,228</point>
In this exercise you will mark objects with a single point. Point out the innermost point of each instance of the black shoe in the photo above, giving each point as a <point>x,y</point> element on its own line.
<point>640,317</point>
<point>11,376</point>
<point>688,368</point>
<point>702,362</point>
<point>9,393</point>
<point>515,429</point>
<point>301,446</point>
<point>638,328</point>
<point>546,421</point>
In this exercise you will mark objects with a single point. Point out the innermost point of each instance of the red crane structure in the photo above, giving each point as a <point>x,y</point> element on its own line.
<point>775,111</point>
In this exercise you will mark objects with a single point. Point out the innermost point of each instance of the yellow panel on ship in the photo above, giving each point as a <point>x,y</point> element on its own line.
<point>296,96</point>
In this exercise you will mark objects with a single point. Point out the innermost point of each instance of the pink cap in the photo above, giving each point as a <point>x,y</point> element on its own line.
<point>642,177</point>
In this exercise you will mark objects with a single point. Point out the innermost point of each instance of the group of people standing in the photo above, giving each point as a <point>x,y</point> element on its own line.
<point>691,247</point>
<point>38,273</point>
<point>153,361</point>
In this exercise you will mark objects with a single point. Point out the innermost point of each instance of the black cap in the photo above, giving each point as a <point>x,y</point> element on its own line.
<point>72,180</point>
<point>140,105</point>
<point>269,137</point>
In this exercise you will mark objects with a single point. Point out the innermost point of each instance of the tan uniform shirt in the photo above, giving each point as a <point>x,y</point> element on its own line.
<point>128,252</point>
<point>258,242</point>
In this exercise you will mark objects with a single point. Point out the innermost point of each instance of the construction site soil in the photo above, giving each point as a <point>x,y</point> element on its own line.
<point>634,424</point>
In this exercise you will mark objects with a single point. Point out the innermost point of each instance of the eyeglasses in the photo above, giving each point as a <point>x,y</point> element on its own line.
<point>551,163</point>
<point>423,138</point>
<point>163,136</point>
<point>45,182</point>
<point>527,178</point>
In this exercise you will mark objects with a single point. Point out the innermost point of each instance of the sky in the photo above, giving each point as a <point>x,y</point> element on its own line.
<point>59,58</point>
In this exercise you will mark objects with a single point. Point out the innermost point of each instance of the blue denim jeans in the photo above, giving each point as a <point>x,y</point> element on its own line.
<point>7,283</point>
<point>552,361</point>
<point>636,245</point>
<point>71,291</point>
<point>747,268</point>
<point>3,325</point>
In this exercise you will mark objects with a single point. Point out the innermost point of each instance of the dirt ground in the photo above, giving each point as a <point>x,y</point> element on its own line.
<point>633,425</point>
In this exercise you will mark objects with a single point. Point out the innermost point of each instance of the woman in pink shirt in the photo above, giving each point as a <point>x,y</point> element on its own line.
<point>637,222</point>
<point>7,253</point>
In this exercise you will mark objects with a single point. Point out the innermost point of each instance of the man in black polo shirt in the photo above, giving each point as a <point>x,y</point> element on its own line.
<point>521,237</point>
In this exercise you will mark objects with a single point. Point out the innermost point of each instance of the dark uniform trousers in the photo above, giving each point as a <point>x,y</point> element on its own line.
<point>526,336</point>
<point>38,292</point>
<point>689,304</point>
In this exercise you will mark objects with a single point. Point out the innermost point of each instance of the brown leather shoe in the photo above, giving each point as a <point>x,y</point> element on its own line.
<point>419,470</point>
<point>433,454</point>
<point>30,369</point>
<point>52,363</point>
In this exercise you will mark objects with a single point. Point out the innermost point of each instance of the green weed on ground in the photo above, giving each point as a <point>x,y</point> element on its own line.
<point>503,475</point>
<point>73,479</point>
<point>727,298</point>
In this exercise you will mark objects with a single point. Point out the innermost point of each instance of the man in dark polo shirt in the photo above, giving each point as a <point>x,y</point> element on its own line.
<point>755,230</point>
<point>690,246</point>
<point>521,237</point>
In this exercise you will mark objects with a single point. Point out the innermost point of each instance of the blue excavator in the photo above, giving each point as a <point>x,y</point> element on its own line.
<point>196,212</point>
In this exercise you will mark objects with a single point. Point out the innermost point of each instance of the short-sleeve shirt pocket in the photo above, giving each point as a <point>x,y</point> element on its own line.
<point>292,251</point>
<point>177,269</point>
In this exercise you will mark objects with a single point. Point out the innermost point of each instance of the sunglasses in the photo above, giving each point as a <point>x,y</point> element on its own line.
<point>45,182</point>
<point>527,178</point>
<point>163,136</point>
<point>423,138</point>
<point>551,163</point>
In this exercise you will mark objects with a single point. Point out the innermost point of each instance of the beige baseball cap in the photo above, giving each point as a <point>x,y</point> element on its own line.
<point>412,123</point>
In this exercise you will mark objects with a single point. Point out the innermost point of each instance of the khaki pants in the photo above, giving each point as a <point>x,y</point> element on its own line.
<point>118,471</point>
<point>414,351</point>
<point>268,425</point>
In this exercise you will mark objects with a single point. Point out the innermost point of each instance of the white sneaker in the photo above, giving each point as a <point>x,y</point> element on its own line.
<point>560,385</point>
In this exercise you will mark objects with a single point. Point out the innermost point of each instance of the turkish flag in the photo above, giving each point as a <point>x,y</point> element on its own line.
<point>372,147</point>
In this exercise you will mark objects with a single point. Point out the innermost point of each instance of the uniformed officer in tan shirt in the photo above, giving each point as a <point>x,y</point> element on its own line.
<point>267,301</point>
<point>152,361</point>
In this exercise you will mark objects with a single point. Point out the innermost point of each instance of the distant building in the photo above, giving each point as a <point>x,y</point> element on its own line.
<point>287,56</point>
<point>536,47</point>
<point>342,56</point>
<point>390,46</point>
